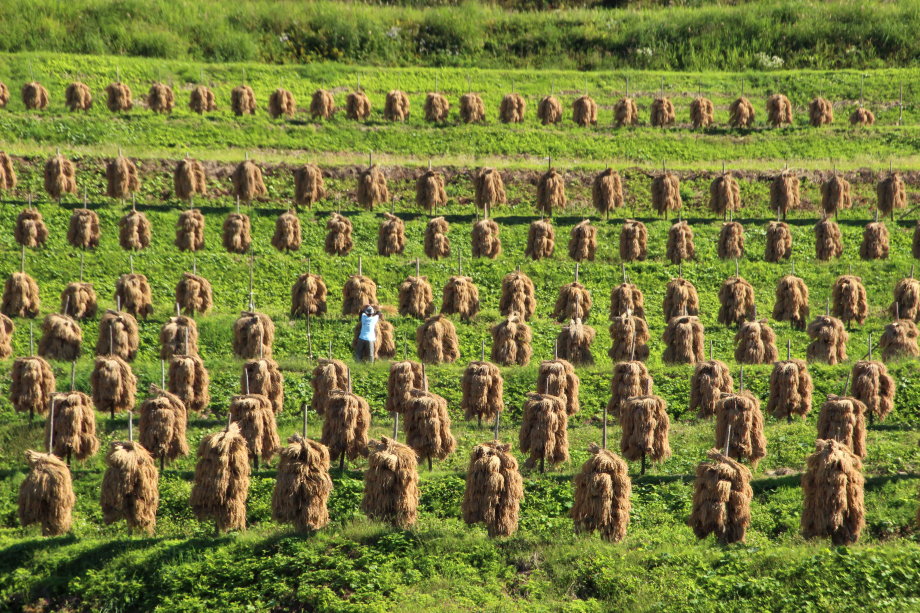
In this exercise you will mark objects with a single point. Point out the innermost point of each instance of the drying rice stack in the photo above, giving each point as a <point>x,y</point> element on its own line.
<point>558,378</point>
<point>46,494</point>
<point>779,110</point>
<point>607,191</point>
<point>630,378</point>
<point>583,241</point>
<point>485,239</point>
<point>132,291</point>
<point>309,187</point>
<point>396,106</point>
<point>160,98</point>
<point>79,300</point>
<point>308,296</point>
<point>83,229</point>
<point>874,387</point>
<point>791,301</point>
<point>32,384</point>
<point>358,292</point>
<point>427,425</point>
<point>416,297</point>
<point>662,112</point>
<point>828,340</point>
<point>511,340</point>
<point>118,97</point>
<point>790,389</point>
<point>645,426</point>
<point>862,117</point>
<point>741,113</point>
<point>372,188</point>
<point>189,178</point>
<point>701,110</point>
<point>436,340</point>
<point>736,297</point>
<point>541,240</point>
<point>322,104</point>
<point>237,233</point>
<point>247,181</point>
<point>784,193</point>
<point>489,188</point>
<point>494,489</point>
<point>357,106</point>
<point>680,245</point>
<point>188,379</point>
<point>281,104</point>
<point>243,100</point>
<point>436,243</point>
<point>710,380</point>
<point>626,298</point>
<point>429,191</point>
<point>338,237</point>
<point>574,342</point>
<point>77,97</point>
<point>512,108</point>
<point>201,100</point>
<point>779,242</point>
<point>391,237</point>
<point>633,241</point>
<point>129,486</point>
<point>263,376</point>
<point>437,107</point>
<point>584,111</point>
<point>30,230</point>
<point>328,375</point>
<point>843,419</point>
<point>629,337</point>
<point>60,177</point>
<point>835,195</point>
<point>472,109</point>
<point>20,296</point>
<point>602,491</point>
<point>287,236</point>
<point>739,427</point>
<point>543,432</point>
<point>162,426</point>
<point>625,112</point>
<point>680,298</point>
<point>899,340</point>
<point>121,178</point>
<point>253,335</point>
<point>256,420</point>
<point>460,296</point>
<point>303,485</point>
<point>722,497</point>
<point>549,110</point>
<point>849,299</point>
<point>828,240</point>
<point>35,96</point>
<point>550,192</point>
<point>194,294</point>
<point>820,112</point>
<point>73,425</point>
<point>875,243</point>
<point>134,231</point>
<point>482,388</point>
<point>402,379</point>
<point>833,490</point>
<point>114,384</point>
<point>391,493</point>
<point>518,295</point>
<point>724,194</point>
<point>190,230</point>
<point>755,343</point>
<point>61,338</point>
<point>222,479</point>
<point>731,241</point>
<point>573,301</point>
<point>666,193</point>
<point>683,338</point>
<point>891,194</point>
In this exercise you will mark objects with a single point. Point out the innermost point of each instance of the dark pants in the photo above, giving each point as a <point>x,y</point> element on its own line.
<point>364,351</point>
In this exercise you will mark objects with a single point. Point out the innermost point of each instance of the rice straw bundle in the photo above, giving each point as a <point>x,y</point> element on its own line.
<point>222,479</point>
<point>494,489</point>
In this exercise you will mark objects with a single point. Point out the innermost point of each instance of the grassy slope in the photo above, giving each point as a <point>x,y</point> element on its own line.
<point>442,564</point>
<point>222,136</point>
<point>837,34</point>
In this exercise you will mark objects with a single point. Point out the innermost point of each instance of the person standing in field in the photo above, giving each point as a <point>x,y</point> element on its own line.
<point>367,337</point>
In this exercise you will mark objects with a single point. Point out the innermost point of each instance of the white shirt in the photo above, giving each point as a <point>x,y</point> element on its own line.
<point>368,327</point>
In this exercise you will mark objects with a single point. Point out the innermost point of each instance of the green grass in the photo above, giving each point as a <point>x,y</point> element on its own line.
<point>358,565</point>
<point>761,35</point>
<point>222,136</point>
